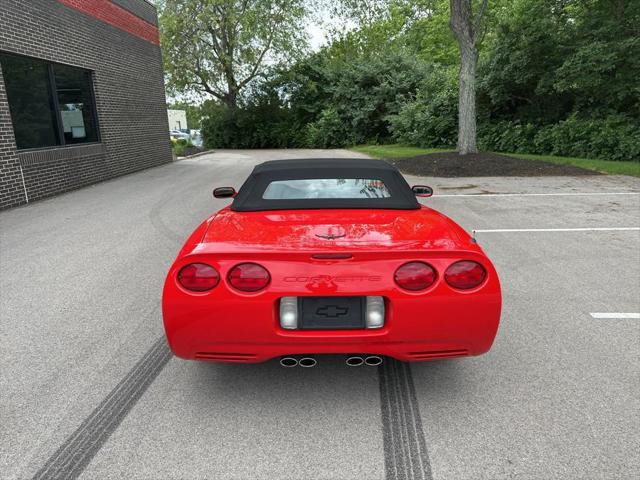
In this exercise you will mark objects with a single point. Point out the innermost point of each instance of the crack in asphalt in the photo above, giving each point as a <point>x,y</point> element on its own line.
<point>405,449</point>
<point>73,456</point>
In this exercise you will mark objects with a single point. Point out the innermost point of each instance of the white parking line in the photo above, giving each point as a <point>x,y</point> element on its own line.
<point>635,316</point>
<point>567,194</point>
<point>590,229</point>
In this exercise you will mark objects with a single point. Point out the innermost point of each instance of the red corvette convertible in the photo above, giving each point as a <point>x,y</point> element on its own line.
<point>329,256</point>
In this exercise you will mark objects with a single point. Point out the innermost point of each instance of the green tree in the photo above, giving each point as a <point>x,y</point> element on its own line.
<point>605,57</point>
<point>468,22</point>
<point>358,91</point>
<point>387,24</point>
<point>219,47</point>
<point>550,58</point>
<point>561,77</point>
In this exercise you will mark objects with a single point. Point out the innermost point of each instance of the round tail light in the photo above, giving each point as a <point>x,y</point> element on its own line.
<point>249,277</point>
<point>198,277</point>
<point>465,274</point>
<point>415,276</point>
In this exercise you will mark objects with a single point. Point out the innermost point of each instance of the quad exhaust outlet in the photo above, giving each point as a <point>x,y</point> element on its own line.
<point>352,361</point>
<point>307,362</point>
<point>289,362</point>
<point>373,360</point>
<point>304,362</point>
<point>370,360</point>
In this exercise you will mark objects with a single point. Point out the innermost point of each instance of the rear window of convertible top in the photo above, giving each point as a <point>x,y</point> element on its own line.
<point>324,183</point>
<point>326,188</point>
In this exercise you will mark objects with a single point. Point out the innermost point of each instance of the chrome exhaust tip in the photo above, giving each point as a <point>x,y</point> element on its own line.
<point>288,362</point>
<point>373,360</point>
<point>355,361</point>
<point>307,362</point>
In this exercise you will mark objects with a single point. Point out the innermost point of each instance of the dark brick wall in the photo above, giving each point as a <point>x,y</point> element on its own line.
<point>129,89</point>
<point>11,188</point>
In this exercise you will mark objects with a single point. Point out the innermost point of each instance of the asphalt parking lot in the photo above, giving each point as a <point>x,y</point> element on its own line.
<point>89,391</point>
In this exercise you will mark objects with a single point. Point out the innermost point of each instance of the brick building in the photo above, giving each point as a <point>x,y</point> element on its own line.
<point>81,95</point>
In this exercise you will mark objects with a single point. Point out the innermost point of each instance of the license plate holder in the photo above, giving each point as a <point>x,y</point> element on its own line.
<point>332,313</point>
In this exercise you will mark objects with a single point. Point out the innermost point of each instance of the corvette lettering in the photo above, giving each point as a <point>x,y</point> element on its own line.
<point>327,278</point>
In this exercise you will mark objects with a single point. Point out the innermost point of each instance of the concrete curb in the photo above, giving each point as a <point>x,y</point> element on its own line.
<point>199,154</point>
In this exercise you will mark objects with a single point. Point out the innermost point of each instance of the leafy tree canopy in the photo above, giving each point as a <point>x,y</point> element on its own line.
<point>219,47</point>
<point>554,77</point>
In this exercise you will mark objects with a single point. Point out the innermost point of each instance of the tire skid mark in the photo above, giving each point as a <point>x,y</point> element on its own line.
<point>405,450</point>
<point>186,190</point>
<point>73,456</point>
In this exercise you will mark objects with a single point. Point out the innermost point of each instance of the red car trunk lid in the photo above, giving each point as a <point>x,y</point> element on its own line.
<point>331,230</point>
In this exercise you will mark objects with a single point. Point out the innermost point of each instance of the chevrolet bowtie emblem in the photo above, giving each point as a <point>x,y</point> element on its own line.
<point>329,236</point>
<point>332,311</point>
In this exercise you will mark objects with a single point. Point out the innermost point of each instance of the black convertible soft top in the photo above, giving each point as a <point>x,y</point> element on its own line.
<point>250,196</point>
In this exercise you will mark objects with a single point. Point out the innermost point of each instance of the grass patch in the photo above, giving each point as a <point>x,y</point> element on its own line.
<point>603,166</point>
<point>395,151</point>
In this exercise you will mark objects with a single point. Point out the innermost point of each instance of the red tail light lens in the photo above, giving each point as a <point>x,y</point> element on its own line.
<point>198,277</point>
<point>415,276</point>
<point>249,277</point>
<point>465,274</point>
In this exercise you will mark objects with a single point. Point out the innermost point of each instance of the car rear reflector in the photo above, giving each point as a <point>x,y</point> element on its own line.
<point>415,276</point>
<point>198,277</point>
<point>465,274</point>
<point>249,277</point>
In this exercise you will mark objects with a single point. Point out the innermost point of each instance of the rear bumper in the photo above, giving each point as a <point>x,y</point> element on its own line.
<point>426,329</point>
<point>226,325</point>
<point>243,353</point>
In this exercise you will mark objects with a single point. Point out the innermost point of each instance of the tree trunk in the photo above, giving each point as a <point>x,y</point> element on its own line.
<point>467,100</point>
<point>468,30</point>
<point>231,99</point>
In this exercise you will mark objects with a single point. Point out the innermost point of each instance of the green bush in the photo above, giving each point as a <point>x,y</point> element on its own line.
<point>430,119</point>
<point>179,145</point>
<point>347,100</point>
<point>615,137</point>
<point>328,131</point>
<point>507,137</point>
<point>368,92</point>
<point>264,124</point>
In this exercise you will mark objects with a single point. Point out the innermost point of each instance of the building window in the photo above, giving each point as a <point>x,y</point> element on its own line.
<point>50,104</point>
